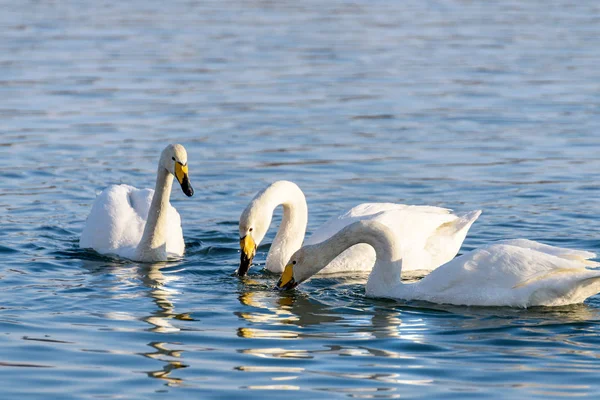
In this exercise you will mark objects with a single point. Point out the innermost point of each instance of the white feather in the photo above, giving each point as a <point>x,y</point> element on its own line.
<point>515,273</point>
<point>117,220</point>
<point>139,224</point>
<point>429,236</point>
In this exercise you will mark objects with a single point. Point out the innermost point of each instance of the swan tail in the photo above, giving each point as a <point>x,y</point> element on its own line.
<point>464,222</point>
<point>562,286</point>
<point>459,227</point>
<point>582,260</point>
<point>448,237</point>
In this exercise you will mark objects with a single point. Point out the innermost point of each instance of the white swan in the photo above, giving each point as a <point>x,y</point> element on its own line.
<point>429,236</point>
<point>140,224</point>
<point>515,273</point>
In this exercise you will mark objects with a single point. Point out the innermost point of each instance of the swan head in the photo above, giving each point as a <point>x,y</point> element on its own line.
<point>302,265</point>
<point>174,159</point>
<point>254,223</point>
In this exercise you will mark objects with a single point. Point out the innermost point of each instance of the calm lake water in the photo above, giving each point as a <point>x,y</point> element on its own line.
<point>467,105</point>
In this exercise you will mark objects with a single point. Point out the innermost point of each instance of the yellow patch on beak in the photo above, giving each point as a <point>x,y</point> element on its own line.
<point>248,246</point>
<point>287,276</point>
<point>181,171</point>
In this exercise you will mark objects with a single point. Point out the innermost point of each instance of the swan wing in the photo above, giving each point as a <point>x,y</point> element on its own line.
<point>443,244</point>
<point>504,274</point>
<point>117,219</point>
<point>357,213</point>
<point>567,254</point>
<point>429,236</point>
<point>116,222</point>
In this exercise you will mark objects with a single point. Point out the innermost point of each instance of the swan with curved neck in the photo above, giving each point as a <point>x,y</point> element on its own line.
<point>256,219</point>
<point>430,235</point>
<point>141,225</point>
<point>514,273</point>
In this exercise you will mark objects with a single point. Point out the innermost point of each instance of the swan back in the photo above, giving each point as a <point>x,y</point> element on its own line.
<point>567,254</point>
<point>504,274</point>
<point>428,236</point>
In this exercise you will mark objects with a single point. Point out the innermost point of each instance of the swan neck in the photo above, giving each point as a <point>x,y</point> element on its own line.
<point>153,243</point>
<point>292,229</point>
<point>388,261</point>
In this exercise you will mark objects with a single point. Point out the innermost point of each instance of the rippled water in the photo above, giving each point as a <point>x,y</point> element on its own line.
<point>454,103</point>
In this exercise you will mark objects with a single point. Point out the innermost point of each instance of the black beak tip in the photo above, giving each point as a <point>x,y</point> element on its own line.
<point>187,188</point>
<point>245,263</point>
<point>288,286</point>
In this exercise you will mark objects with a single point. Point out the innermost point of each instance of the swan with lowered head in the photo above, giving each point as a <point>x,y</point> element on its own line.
<point>514,273</point>
<point>429,236</point>
<point>140,224</point>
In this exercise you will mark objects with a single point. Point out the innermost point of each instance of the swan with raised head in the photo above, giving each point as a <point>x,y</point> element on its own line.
<point>429,236</point>
<point>141,224</point>
<point>514,273</point>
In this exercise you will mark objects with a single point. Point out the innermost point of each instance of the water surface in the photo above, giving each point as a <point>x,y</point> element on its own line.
<point>467,105</point>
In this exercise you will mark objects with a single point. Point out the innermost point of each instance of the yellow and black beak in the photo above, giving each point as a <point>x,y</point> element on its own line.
<point>248,250</point>
<point>181,173</point>
<point>287,281</point>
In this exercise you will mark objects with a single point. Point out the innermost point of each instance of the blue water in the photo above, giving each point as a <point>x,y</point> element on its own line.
<point>467,105</point>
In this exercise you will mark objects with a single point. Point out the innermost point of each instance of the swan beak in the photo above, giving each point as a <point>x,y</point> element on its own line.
<point>181,172</point>
<point>287,281</point>
<point>248,250</point>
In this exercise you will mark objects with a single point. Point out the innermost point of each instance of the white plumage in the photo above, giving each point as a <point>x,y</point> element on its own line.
<point>117,220</point>
<point>428,236</point>
<point>514,273</point>
<point>517,273</point>
<point>140,224</point>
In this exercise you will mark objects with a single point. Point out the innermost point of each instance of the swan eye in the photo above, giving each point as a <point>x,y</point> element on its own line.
<point>173,158</point>
<point>250,230</point>
<point>294,262</point>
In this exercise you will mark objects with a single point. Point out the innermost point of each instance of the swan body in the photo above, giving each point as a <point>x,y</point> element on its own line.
<point>514,273</point>
<point>429,236</point>
<point>117,220</point>
<point>140,224</point>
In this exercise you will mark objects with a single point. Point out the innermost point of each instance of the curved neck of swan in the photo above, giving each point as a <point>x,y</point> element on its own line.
<point>292,229</point>
<point>152,247</point>
<point>388,262</point>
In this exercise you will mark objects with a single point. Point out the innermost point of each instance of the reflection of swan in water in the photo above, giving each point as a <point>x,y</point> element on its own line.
<point>474,319</point>
<point>289,311</point>
<point>287,315</point>
<point>385,323</point>
<point>153,278</point>
<point>407,331</point>
<point>170,366</point>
